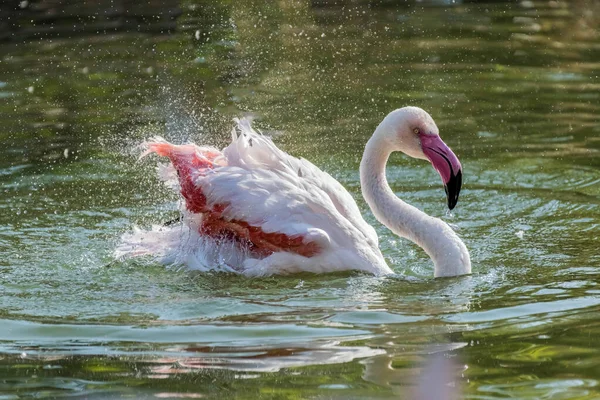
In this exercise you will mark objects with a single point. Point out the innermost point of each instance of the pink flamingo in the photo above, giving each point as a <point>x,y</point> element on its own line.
<point>256,210</point>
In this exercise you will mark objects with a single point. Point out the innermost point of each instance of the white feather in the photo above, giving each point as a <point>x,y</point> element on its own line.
<point>267,188</point>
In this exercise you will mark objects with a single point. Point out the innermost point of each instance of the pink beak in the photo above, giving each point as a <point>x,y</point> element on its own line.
<point>445,163</point>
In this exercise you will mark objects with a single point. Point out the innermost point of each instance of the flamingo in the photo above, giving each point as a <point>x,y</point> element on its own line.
<point>254,209</point>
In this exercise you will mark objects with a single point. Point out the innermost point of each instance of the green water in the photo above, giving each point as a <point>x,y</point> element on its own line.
<point>515,91</point>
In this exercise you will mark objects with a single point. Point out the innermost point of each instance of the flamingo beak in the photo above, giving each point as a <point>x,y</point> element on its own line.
<point>445,163</point>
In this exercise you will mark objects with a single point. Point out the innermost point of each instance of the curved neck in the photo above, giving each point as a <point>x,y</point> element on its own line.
<point>449,254</point>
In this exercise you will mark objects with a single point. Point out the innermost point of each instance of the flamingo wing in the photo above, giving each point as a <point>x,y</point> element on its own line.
<point>261,211</point>
<point>256,197</point>
<point>252,150</point>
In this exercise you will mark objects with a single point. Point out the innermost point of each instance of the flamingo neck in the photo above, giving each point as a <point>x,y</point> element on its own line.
<point>447,251</point>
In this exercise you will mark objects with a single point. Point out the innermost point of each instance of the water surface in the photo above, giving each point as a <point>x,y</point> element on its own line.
<point>515,91</point>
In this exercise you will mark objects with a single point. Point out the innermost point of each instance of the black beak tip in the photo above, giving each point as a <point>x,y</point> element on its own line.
<point>452,188</point>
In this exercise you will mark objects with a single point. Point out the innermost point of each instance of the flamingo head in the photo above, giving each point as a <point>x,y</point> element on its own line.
<point>412,131</point>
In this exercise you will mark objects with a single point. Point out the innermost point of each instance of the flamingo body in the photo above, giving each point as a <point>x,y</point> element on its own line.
<point>282,212</point>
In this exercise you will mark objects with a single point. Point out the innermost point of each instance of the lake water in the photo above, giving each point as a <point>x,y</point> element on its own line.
<point>515,90</point>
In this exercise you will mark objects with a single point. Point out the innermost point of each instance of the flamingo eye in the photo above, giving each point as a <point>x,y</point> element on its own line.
<point>416,131</point>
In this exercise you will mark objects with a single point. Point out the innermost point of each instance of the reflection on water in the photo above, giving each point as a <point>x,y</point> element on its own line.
<point>512,86</point>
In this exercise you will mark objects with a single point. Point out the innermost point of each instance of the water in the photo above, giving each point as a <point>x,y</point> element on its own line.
<point>515,90</point>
